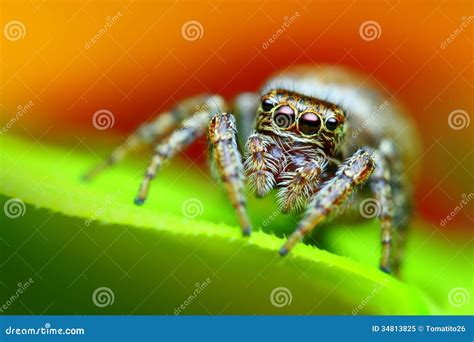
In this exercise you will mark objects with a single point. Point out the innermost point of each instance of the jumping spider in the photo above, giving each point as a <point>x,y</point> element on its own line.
<point>313,133</point>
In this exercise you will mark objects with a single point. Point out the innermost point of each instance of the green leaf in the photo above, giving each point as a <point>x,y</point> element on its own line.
<point>75,237</point>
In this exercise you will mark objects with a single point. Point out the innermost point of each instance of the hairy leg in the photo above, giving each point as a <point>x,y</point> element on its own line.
<point>382,190</point>
<point>401,193</point>
<point>226,156</point>
<point>299,185</point>
<point>261,165</point>
<point>190,129</point>
<point>147,133</point>
<point>353,172</point>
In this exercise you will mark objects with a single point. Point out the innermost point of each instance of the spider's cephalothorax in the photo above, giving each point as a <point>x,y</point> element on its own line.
<point>313,133</point>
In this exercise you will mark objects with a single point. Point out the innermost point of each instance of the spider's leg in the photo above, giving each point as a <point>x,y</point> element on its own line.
<point>226,156</point>
<point>401,193</point>
<point>299,185</point>
<point>353,172</point>
<point>188,132</point>
<point>147,133</point>
<point>245,107</point>
<point>381,188</point>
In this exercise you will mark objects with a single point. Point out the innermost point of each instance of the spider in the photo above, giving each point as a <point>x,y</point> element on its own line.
<point>314,133</point>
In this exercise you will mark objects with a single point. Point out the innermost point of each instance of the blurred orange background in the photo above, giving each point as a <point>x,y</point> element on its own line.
<point>142,64</point>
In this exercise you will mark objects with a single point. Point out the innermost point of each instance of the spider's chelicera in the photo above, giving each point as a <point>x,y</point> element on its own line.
<point>313,133</point>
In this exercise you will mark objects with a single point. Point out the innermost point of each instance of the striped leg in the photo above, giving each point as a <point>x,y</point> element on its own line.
<point>401,193</point>
<point>299,185</point>
<point>155,130</point>
<point>227,159</point>
<point>381,188</point>
<point>353,172</point>
<point>191,129</point>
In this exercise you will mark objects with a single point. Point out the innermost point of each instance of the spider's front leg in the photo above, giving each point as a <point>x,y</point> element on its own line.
<point>190,129</point>
<point>149,132</point>
<point>227,159</point>
<point>353,172</point>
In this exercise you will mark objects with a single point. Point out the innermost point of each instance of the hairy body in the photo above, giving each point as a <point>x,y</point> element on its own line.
<point>315,133</point>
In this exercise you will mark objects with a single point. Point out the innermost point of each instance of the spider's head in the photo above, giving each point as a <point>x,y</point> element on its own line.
<point>303,119</point>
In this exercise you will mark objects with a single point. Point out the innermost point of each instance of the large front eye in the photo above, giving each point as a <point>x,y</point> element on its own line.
<point>284,117</point>
<point>267,105</point>
<point>309,124</point>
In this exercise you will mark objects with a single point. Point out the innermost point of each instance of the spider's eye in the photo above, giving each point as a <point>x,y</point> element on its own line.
<point>309,124</point>
<point>267,105</point>
<point>332,123</point>
<point>284,117</point>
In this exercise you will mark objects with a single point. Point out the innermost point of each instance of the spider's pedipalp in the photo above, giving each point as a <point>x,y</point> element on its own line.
<point>353,172</point>
<point>226,156</point>
<point>296,187</point>
<point>261,166</point>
